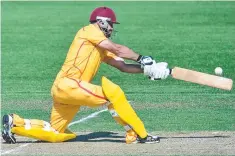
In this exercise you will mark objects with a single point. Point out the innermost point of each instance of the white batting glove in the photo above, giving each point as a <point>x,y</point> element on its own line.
<point>157,71</point>
<point>149,70</point>
<point>161,71</point>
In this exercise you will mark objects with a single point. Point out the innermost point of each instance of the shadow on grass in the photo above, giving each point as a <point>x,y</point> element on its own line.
<point>24,142</point>
<point>99,137</point>
<point>196,137</point>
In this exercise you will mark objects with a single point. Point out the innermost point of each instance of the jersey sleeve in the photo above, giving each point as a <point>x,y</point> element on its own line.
<point>92,34</point>
<point>109,55</point>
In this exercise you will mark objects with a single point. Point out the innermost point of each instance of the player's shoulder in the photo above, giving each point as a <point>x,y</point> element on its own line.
<point>90,31</point>
<point>91,28</point>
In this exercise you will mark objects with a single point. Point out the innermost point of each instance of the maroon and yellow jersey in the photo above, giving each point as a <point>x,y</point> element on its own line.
<point>84,56</point>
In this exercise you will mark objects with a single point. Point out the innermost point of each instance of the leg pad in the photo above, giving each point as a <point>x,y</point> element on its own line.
<point>120,104</point>
<point>41,134</point>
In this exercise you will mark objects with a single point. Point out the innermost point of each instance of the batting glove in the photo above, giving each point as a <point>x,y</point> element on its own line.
<point>159,71</point>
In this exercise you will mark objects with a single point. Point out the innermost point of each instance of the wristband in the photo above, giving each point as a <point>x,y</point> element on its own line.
<point>139,58</point>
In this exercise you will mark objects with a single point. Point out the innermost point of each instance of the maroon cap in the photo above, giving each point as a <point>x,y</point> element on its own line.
<point>103,12</point>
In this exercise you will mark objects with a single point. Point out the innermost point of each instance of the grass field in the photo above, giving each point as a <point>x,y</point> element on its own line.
<point>194,35</point>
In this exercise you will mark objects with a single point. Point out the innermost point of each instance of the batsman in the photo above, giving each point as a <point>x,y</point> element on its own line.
<point>72,87</point>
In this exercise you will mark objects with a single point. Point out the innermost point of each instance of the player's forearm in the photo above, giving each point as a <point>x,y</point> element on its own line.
<point>119,50</point>
<point>132,68</point>
<point>126,53</point>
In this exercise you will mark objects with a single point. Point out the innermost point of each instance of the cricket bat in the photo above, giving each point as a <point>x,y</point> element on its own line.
<point>201,78</point>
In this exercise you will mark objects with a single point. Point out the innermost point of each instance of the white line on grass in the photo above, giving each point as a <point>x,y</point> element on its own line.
<point>15,149</point>
<point>93,115</point>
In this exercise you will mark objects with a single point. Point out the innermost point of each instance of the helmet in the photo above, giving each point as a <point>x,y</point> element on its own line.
<point>103,12</point>
<point>105,18</point>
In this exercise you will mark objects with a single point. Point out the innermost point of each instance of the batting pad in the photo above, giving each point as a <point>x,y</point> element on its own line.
<point>117,97</point>
<point>44,135</point>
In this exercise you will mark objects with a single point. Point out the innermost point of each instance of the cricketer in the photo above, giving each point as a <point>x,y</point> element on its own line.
<point>72,87</point>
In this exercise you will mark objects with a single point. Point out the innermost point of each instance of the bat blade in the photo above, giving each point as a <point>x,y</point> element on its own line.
<point>201,78</point>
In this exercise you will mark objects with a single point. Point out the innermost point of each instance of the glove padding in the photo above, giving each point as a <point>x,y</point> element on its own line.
<point>145,61</point>
<point>157,71</point>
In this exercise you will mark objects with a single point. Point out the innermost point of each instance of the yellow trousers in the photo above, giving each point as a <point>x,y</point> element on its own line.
<point>68,96</point>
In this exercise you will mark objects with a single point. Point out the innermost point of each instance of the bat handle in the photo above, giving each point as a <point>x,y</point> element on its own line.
<point>170,71</point>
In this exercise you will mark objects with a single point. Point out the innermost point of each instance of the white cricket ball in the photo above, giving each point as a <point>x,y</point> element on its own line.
<point>218,71</point>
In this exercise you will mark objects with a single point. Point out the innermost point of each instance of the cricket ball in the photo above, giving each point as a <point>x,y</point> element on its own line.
<point>218,71</point>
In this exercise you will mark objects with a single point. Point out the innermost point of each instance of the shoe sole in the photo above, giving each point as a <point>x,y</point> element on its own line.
<point>149,142</point>
<point>152,142</point>
<point>6,135</point>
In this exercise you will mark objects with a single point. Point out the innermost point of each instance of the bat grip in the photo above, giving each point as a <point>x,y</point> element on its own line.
<point>170,71</point>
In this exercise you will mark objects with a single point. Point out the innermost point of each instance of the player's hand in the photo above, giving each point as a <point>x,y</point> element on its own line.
<point>150,70</point>
<point>159,71</point>
<point>155,71</point>
<point>147,64</point>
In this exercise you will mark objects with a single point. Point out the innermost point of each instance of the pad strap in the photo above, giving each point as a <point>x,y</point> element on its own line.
<point>113,113</point>
<point>27,124</point>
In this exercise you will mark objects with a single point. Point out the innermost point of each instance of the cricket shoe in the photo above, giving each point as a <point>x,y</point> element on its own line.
<point>7,123</point>
<point>150,139</point>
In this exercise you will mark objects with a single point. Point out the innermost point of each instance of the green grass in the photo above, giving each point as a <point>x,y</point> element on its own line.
<point>194,35</point>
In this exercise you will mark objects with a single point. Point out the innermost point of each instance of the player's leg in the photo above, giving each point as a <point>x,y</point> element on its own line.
<point>62,115</point>
<point>76,92</point>
<point>67,91</point>
<point>124,110</point>
<point>32,128</point>
<point>131,136</point>
<point>84,93</point>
